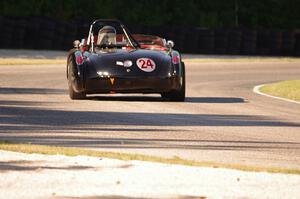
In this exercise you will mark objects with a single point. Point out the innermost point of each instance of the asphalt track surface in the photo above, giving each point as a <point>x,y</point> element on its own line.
<point>222,120</point>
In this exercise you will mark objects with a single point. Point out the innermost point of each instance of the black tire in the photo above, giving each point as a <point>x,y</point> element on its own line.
<point>72,70</point>
<point>177,95</point>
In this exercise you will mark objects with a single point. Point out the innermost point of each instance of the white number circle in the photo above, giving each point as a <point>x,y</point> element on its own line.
<point>146,64</point>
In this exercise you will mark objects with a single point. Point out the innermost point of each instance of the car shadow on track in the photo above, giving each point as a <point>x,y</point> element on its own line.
<point>127,98</point>
<point>215,100</point>
<point>159,99</point>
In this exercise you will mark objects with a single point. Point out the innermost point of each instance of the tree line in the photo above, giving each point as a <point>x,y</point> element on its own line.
<point>281,14</point>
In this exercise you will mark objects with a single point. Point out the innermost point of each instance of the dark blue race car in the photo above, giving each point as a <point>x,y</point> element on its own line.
<point>111,60</point>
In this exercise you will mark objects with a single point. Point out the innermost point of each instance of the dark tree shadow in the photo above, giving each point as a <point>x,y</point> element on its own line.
<point>27,166</point>
<point>16,113</point>
<point>56,118</point>
<point>124,97</point>
<point>64,125</point>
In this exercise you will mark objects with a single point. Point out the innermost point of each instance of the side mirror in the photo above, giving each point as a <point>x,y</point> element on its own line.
<point>76,43</point>
<point>170,44</point>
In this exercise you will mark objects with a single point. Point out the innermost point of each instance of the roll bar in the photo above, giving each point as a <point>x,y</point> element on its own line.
<point>131,40</point>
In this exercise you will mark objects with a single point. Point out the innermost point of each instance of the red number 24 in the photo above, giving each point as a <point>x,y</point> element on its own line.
<point>145,64</point>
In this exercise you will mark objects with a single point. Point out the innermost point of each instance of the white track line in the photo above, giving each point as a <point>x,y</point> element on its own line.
<point>256,90</point>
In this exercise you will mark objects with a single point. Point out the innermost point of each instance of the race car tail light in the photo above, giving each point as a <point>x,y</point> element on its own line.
<point>79,60</point>
<point>176,59</point>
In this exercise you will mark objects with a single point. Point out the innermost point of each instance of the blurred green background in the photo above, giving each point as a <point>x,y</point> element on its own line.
<point>204,13</point>
<point>247,27</point>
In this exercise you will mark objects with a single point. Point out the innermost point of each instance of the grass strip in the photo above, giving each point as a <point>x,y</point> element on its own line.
<point>285,89</point>
<point>68,151</point>
<point>25,61</point>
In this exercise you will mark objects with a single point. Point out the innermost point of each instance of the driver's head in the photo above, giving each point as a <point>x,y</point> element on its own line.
<point>106,36</point>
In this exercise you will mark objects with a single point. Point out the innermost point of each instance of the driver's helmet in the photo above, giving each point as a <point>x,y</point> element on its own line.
<point>107,36</point>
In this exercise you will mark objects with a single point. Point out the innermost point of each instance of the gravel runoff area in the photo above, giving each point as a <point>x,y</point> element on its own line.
<point>58,176</point>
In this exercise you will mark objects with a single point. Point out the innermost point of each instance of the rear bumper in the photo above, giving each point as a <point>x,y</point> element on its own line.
<point>131,85</point>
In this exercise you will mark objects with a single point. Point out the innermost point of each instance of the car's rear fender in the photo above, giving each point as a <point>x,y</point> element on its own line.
<point>177,62</point>
<point>95,65</point>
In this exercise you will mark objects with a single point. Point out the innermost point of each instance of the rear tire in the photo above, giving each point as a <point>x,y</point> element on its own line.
<point>177,95</point>
<point>72,70</point>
